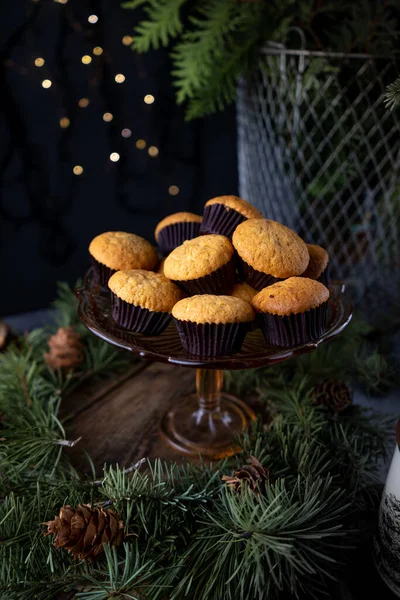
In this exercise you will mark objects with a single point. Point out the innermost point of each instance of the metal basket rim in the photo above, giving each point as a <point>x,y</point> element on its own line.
<point>276,49</point>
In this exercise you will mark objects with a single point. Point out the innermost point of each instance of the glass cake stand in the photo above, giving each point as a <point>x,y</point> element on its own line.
<point>205,423</point>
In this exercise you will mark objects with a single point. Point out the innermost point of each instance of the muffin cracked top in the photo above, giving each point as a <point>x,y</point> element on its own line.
<point>319,259</point>
<point>290,297</point>
<point>145,289</point>
<point>207,308</point>
<point>271,248</point>
<point>120,250</point>
<point>179,217</point>
<point>198,257</point>
<point>241,206</point>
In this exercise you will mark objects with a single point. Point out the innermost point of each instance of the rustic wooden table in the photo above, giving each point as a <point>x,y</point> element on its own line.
<point>118,419</point>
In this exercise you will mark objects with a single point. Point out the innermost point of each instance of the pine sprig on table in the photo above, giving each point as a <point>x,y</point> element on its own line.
<point>186,532</point>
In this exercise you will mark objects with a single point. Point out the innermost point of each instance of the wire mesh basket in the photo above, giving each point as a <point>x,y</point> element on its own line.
<point>318,151</point>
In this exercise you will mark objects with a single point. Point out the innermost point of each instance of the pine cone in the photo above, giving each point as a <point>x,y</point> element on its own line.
<point>253,474</point>
<point>82,531</point>
<point>66,349</point>
<point>333,394</point>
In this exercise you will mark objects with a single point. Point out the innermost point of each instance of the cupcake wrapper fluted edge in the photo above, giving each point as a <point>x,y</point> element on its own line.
<point>101,273</point>
<point>220,219</point>
<point>254,278</point>
<point>172,236</point>
<point>211,339</point>
<point>219,282</point>
<point>325,277</point>
<point>138,319</point>
<point>294,330</point>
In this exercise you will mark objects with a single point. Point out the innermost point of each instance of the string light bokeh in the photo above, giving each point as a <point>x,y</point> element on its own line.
<point>111,144</point>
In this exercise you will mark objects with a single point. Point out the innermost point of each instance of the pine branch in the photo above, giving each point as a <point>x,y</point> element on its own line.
<point>250,546</point>
<point>162,24</point>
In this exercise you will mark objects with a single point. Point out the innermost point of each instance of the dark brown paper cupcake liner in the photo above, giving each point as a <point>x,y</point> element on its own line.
<point>294,330</point>
<point>219,282</point>
<point>252,277</point>
<point>137,319</point>
<point>211,339</point>
<point>101,273</point>
<point>217,219</point>
<point>172,236</point>
<point>325,277</point>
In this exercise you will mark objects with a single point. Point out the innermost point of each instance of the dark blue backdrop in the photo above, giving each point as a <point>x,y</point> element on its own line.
<point>47,214</point>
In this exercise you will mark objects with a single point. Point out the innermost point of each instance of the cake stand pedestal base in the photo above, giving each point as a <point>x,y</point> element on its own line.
<point>208,422</point>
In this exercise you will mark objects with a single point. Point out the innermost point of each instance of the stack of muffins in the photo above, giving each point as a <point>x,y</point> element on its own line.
<point>222,275</point>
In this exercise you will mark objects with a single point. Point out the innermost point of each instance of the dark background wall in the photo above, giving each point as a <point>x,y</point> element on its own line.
<point>48,215</point>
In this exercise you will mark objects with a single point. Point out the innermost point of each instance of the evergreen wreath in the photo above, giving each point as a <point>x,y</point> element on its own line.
<point>215,41</point>
<point>278,517</point>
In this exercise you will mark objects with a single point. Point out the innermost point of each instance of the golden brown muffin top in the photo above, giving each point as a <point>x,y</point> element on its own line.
<point>207,308</point>
<point>179,217</point>
<point>198,257</point>
<point>119,250</point>
<point>244,292</point>
<point>319,259</point>
<point>145,289</point>
<point>241,206</point>
<point>290,297</point>
<point>271,248</point>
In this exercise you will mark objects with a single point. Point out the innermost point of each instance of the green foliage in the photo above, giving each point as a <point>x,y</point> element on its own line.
<point>186,533</point>
<point>355,356</point>
<point>215,41</point>
<point>392,98</point>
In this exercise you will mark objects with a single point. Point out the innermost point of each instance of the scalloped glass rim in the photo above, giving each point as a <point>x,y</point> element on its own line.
<point>94,311</point>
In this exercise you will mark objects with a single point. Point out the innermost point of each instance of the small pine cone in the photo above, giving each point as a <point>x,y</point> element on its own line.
<point>333,394</point>
<point>82,531</point>
<point>66,349</point>
<point>253,474</point>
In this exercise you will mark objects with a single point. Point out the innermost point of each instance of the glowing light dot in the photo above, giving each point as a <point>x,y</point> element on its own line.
<point>86,59</point>
<point>149,99</point>
<point>114,156</point>
<point>107,117</point>
<point>140,144</point>
<point>78,170</point>
<point>61,1</point>
<point>127,40</point>
<point>93,19</point>
<point>39,62</point>
<point>126,133</point>
<point>173,190</point>
<point>64,122</point>
<point>46,83</point>
<point>119,78</point>
<point>153,151</point>
<point>83,102</point>
<point>97,50</point>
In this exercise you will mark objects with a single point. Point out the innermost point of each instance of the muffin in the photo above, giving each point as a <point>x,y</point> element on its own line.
<point>211,325</point>
<point>292,312</point>
<point>175,229</point>
<point>142,300</point>
<point>318,265</point>
<point>223,214</point>
<point>267,252</point>
<point>244,292</point>
<point>203,265</point>
<point>116,250</point>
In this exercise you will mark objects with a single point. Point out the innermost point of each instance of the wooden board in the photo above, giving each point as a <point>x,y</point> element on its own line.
<point>118,420</point>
